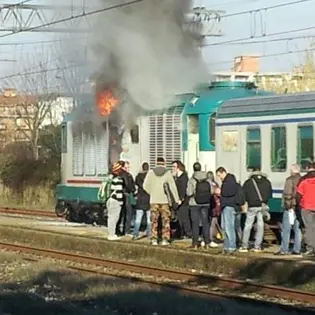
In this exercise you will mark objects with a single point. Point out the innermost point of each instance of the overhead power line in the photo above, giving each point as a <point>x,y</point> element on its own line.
<point>7,6</point>
<point>26,73</point>
<point>260,36</point>
<point>282,39</point>
<point>73,17</point>
<point>277,6</point>
<point>270,55</point>
<point>42,41</point>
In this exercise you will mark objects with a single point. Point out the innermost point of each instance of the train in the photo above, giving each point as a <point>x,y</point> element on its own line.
<point>269,132</point>
<point>186,132</point>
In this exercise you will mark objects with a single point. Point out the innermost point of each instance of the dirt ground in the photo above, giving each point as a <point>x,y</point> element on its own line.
<point>45,287</point>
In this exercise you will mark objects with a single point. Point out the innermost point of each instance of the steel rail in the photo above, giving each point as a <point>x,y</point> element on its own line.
<point>188,277</point>
<point>28,212</point>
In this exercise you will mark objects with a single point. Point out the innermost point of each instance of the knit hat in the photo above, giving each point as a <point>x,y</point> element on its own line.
<point>116,168</point>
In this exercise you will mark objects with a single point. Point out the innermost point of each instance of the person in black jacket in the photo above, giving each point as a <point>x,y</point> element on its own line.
<point>143,203</point>
<point>181,180</point>
<point>257,191</point>
<point>229,192</point>
<point>124,224</point>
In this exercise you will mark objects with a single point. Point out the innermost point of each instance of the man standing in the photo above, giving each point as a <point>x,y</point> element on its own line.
<point>181,179</point>
<point>306,197</point>
<point>115,200</point>
<point>257,191</point>
<point>130,188</point>
<point>199,194</point>
<point>291,214</point>
<point>154,184</point>
<point>228,193</point>
<point>143,203</point>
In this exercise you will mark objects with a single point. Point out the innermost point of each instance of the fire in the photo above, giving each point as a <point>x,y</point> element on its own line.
<point>106,102</point>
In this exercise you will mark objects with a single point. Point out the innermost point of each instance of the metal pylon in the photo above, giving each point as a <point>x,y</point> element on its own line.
<point>20,18</point>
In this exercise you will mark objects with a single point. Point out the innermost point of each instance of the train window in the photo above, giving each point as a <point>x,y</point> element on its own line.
<point>134,134</point>
<point>64,139</point>
<point>278,149</point>
<point>193,124</point>
<point>253,149</point>
<point>305,148</point>
<point>212,129</point>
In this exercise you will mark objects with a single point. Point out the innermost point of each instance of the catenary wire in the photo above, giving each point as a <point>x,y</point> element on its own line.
<point>271,55</point>
<point>264,8</point>
<point>261,36</point>
<point>84,64</point>
<point>272,40</point>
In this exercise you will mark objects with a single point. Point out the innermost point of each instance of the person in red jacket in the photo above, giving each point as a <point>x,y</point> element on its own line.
<point>306,199</point>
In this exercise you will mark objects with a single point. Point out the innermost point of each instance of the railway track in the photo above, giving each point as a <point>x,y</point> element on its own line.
<point>189,282</point>
<point>28,212</point>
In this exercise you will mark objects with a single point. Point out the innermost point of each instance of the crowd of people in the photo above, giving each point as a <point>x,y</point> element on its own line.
<point>204,210</point>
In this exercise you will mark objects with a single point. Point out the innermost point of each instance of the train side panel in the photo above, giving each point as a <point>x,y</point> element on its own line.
<point>271,140</point>
<point>84,164</point>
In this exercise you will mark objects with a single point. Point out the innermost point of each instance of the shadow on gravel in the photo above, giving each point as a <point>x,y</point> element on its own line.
<point>55,292</point>
<point>280,272</point>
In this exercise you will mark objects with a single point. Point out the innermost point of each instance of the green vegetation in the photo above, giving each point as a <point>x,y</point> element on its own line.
<point>29,180</point>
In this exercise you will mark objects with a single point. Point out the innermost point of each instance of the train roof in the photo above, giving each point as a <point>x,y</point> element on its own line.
<point>85,104</point>
<point>208,100</point>
<point>268,105</point>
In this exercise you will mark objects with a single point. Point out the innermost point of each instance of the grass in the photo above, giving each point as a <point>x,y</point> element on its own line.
<point>41,197</point>
<point>271,271</point>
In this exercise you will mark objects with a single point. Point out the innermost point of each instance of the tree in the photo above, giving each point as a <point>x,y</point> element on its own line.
<point>36,102</point>
<point>301,78</point>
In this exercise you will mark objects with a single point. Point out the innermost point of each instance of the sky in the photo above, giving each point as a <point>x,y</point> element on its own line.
<point>218,56</point>
<point>281,19</point>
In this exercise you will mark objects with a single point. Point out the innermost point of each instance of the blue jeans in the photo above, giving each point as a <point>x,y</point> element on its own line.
<point>139,214</point>
<point>286,233</point>
<point>251,215</point>
<point>228,227</point>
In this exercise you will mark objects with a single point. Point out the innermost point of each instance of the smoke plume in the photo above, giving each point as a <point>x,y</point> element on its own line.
<point>147,49</point>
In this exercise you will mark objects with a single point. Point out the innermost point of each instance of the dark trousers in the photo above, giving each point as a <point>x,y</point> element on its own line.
<point>309,223</point>
<point>124,223</point>
<point>238,228</point>
<point>200,213</point>
<point>184,221</point>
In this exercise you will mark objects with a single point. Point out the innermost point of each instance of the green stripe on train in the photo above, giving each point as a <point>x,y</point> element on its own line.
<point>87,194</point>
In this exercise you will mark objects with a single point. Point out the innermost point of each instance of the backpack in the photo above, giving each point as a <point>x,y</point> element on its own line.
<point>105,190</point>
<point>202,192</point>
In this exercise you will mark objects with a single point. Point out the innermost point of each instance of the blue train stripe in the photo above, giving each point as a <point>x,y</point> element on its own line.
<point>277,191</point>
<point>265,122</point>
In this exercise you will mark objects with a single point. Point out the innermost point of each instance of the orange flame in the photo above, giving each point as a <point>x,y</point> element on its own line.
<point>106,102</point>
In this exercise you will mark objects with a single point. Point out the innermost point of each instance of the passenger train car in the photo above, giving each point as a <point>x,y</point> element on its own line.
<point>183,132</point>
<point>270,132</point>
<point>199,117</point>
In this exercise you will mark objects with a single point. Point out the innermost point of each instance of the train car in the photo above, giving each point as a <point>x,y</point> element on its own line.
<point>185,131</point>
<point>271,133</point>
<point>199,119</point>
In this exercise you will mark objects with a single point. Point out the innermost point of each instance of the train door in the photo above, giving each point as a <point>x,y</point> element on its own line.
<point>192,142</point>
